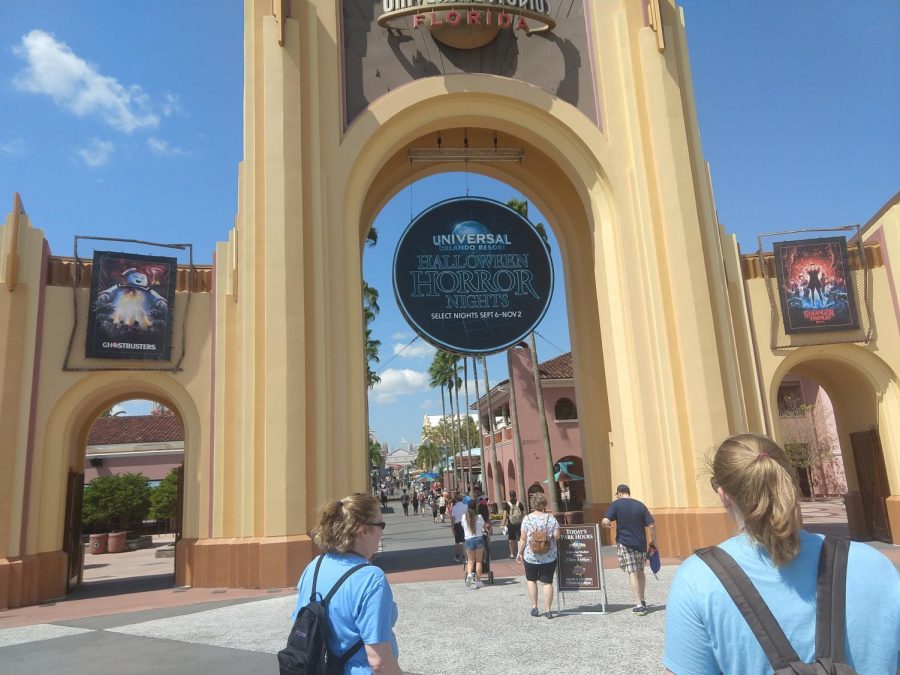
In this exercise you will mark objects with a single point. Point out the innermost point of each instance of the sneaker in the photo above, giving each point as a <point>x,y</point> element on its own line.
<point>640,609</point>
<point>479,583</point>
<point>469,579</point>
<point>535,612</point>
<point>548,614</point>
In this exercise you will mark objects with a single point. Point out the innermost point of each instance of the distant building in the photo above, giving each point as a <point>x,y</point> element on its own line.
<point>561,410</point>
<point>149,444</point>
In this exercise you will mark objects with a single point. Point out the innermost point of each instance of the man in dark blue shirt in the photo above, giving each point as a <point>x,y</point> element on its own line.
<point>632,519</point>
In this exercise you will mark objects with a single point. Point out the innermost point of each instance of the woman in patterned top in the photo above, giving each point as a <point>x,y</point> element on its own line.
<point>539,566</point>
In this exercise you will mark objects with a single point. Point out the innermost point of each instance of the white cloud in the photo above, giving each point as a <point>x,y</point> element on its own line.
<point>55,70</point>
<point>97,153</point>
<point>397,382</point>
<point>400,336</point>
<point>171,105</point>
<point>161,148</point>
<point>416,350</point>
<point>14,147</point>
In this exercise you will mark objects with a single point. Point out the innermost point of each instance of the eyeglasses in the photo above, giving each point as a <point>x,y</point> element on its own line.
<point>714,484</point>
<point>382,524</point>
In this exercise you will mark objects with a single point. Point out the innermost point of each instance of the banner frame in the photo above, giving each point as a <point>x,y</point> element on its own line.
<point>602,574</point>
<point>76,284</point>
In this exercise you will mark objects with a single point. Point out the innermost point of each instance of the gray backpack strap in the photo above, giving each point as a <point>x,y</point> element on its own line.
<point>752,607</point>
<point>831,600</point>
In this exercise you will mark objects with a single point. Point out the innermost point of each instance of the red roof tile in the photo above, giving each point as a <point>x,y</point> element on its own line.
<point>136,429</point>
<point>559,368</point>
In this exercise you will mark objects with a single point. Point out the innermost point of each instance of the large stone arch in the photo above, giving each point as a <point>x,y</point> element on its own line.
<point>552,174</point>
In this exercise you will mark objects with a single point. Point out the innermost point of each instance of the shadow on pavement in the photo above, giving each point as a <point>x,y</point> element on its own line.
<point>107,587</point>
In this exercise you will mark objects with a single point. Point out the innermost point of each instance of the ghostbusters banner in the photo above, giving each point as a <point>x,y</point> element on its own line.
<point>131,306</point>
<point>815,285</point>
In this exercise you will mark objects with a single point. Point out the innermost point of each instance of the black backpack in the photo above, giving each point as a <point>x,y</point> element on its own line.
<point>831,611</point>
<point>307,649</point>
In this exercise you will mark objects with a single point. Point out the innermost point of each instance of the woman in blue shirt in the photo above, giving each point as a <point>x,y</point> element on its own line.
<point>349,532</point>
<point>706,632</point>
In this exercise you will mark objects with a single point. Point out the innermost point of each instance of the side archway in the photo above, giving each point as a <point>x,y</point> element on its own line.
<point>64,442</point>
<point>865,395</point>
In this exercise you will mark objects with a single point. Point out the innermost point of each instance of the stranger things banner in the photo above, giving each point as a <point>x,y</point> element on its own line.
<point>131,306</point>
<point>472,276</point>
<point>815,285</point>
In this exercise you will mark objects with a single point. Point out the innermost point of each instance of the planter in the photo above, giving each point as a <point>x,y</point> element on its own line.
<point>98,543</point>
<point>117,542</point>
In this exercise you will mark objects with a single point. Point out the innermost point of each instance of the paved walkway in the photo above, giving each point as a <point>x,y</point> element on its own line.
<point>443,626</point>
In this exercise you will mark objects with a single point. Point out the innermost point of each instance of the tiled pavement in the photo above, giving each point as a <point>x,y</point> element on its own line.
<point>443,626</point>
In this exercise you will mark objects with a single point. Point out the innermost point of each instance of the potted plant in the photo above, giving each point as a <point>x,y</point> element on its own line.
<point>113,503</point>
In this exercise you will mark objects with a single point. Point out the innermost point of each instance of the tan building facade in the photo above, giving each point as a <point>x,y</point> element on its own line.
<point>340,114</point>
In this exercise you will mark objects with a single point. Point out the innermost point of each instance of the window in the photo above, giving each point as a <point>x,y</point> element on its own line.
<point>565,410</point>
<point>790,401</point>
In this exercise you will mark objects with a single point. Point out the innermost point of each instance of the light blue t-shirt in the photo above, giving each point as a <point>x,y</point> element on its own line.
<point>363,607</point>
<point>706,633</point>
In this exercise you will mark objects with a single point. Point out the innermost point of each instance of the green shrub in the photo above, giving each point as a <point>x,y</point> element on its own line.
<point>114,502</point>
<point>164,498</point>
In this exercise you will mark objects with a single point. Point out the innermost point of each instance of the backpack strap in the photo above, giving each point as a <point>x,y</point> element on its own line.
<point>831,599</point>
<point>340,581</point>
<point>751,606</point>
<point>312,595</point>
<point>346,656</point>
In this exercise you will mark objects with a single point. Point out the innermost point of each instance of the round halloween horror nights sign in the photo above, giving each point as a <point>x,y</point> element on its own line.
<point>472,276</point>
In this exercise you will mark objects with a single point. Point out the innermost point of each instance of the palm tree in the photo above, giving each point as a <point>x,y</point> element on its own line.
<point>371,345</point>
<point>428,456</point>
<point>444,373</point>
<point>451,373</point>
<point>436,378</point>
<point>522,207</point>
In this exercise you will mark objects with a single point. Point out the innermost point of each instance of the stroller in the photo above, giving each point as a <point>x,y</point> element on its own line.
<point>486,573</point>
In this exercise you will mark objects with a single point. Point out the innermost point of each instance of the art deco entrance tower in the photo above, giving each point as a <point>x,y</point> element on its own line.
<point>336,94</point>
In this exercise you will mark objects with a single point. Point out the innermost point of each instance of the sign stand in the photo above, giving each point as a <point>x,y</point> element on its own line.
<point>580,565</point>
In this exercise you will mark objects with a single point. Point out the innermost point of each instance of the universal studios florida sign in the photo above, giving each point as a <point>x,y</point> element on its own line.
<point>467,24</point>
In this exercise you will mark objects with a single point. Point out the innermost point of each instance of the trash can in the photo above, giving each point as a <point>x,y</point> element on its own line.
<point>117,542</point>
<point>98,543</point>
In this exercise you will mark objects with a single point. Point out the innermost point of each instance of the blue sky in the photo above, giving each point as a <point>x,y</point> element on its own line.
<point>125,119</point>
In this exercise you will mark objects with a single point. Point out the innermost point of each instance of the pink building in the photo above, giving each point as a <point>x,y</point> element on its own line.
<point>561,410</point>
<point>806,421</point>
<point>149,444</point>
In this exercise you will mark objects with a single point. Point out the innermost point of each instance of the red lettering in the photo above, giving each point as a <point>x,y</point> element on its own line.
<point>418,20</point>
<point>474,18</point>
<point>504,20</point>
<point>521,25</point>
<point>487,16</point>
<point>433,21</point>
<point>818,315</point>
<point>453,17</point>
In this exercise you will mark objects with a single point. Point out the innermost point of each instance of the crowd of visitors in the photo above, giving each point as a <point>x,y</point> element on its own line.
<point>771,598</point>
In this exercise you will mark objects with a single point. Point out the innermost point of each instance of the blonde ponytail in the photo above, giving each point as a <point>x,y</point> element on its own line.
<point>757,476</point>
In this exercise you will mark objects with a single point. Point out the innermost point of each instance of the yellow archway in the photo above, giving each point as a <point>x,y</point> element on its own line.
<point>66,434</point>
<point>577,211</point>
<point>865,393</point>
